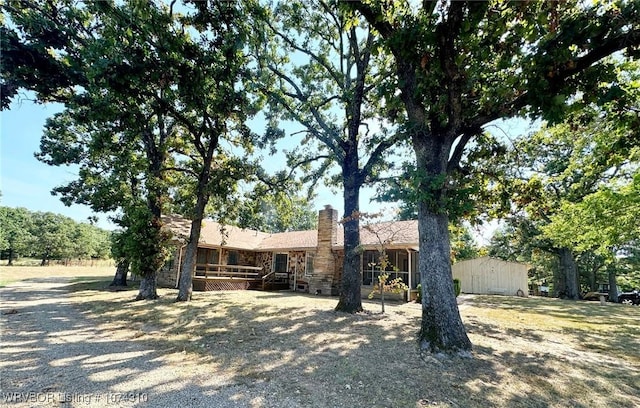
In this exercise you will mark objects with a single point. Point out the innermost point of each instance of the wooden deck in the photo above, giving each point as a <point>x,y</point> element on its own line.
<point>205,284</point>
<point>212,277</point>
<point>201,284</point>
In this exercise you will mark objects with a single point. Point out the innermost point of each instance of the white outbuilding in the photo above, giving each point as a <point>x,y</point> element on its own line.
<point>491,276</point>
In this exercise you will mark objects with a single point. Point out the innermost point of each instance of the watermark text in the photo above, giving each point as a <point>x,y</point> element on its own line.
<point>76,398</point>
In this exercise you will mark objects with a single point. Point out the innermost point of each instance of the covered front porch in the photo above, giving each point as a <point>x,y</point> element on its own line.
<point>226,277</point>
<point>402,264</point>
<point>230,269</point>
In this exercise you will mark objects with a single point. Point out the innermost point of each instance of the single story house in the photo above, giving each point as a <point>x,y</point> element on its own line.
<point>311,261</point>
<point>492,276</point>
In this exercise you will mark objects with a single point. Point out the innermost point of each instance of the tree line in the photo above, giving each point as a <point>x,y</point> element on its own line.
<point>47,236</point>
<point>574,198</point>
<point>158,95</point>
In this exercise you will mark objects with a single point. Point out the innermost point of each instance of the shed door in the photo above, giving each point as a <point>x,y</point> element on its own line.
<point>476,284</point>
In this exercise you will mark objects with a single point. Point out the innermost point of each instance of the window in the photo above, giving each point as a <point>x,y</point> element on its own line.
<point>232,258</point>
<point>207,256</point>
<point>280,263</point>
<point>201,258</point>
<point>370,266</point>
<point>213,256</point>
<point>308,269</point>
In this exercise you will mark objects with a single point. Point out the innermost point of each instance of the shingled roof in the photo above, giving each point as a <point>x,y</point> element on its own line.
<point>391,234</point>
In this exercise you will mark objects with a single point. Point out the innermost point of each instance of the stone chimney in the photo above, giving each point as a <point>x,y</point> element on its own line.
<point>324,261</point>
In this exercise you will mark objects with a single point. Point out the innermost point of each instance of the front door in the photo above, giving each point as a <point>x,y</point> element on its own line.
<point>281,268</point>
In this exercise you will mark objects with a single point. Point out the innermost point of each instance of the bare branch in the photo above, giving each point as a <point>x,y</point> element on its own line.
<point>306,51</point>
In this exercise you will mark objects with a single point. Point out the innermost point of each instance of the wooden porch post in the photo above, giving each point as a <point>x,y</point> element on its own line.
<point>410,273</point>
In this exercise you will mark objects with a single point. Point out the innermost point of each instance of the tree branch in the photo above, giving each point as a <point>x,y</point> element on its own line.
<point>456,156</point>
<point>303,50</point>
<point>376,156</point>
<point>374,17</point>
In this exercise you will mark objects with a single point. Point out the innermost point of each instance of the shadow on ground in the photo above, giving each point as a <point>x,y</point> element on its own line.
<point>274,349</point>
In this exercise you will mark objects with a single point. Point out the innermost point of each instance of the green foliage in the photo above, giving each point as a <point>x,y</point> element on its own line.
<point>15,232</point>
<point>572,187</point>
<point>463,245</point>
<point>150,90</point>
<point>335,89</point>
<point>277,212</point>
<point>462,65</point>
<point>144,242</point>
<point>50,236</point>
<point>471,190</point>
<point>322,70</point>
<point>457,287</point>
<point>603,221</point>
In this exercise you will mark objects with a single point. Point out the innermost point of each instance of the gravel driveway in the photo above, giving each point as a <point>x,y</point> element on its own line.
<point>53,355</point>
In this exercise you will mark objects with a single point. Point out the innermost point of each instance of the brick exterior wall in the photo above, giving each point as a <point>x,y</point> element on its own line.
<point>338,257</point>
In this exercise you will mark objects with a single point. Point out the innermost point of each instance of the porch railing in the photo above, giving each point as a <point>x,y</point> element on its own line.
<point>226,271</point>
<point>268,279</point>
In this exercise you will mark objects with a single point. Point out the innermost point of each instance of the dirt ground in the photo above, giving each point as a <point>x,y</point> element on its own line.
<point>282,349</point>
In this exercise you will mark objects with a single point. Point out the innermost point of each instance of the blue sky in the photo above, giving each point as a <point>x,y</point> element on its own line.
<point>27,182</point>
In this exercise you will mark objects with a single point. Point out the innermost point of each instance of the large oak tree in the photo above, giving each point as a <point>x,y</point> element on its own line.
<point>150,89</point>
<point>327,77</point>
<point>464,64</point>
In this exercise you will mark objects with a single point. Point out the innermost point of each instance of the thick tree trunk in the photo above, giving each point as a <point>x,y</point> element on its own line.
<point>120,278</point>
<point>613,285</point>
<point>153,252</point>
<point>441,329</point>
<point>593,281</point>
<point>559,280</point>
<point>10,263</point>
<point>352,179</point>
<point>148,287</point>
<point>351,285</point>
<point>185,284</point>
<point>570,272</point>
<point>153,257</point>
